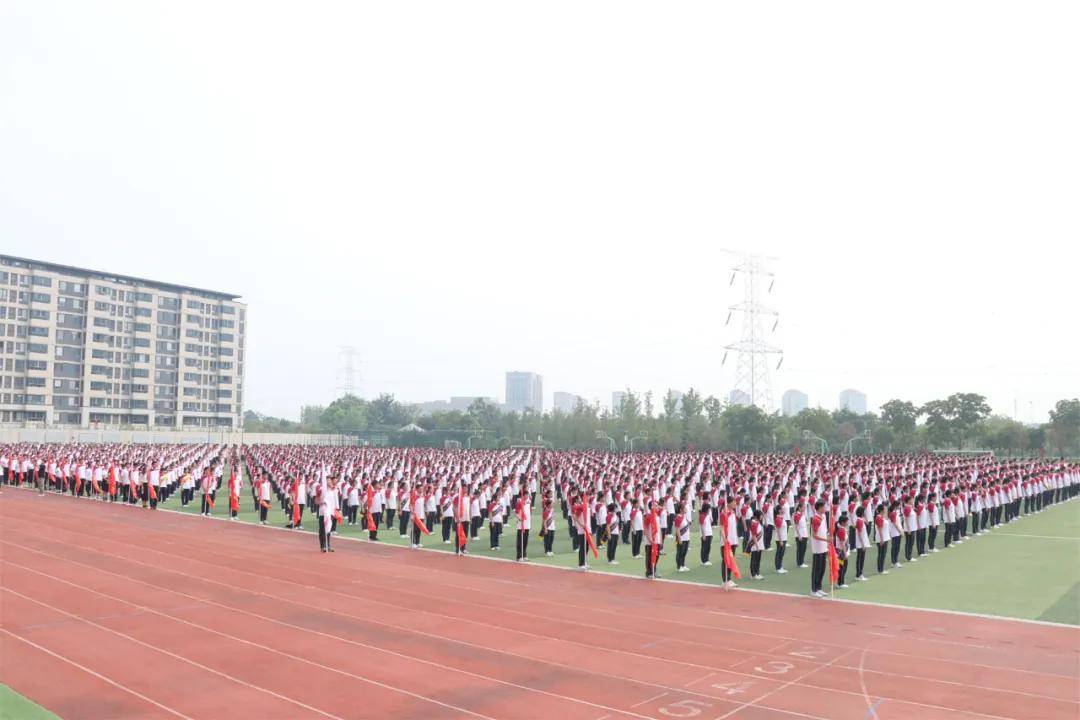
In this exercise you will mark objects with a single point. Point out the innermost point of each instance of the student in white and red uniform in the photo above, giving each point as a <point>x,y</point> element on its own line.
<point>495,521</point>
<point>802,533</point>
<point>729,535</point>
<point>208,487</point>
<point>881,537</point>
<point>524,523</point>
<point>462,519</point>
<point>681,531</point>
<point>756,544</point>
<point>840,542</point>
<point>654,537</point>
<point>862,542</point>
<point>705,526</point>
<point>779,524</point>
<point>612,533</point>
<point>819,545</point>
<point>547,526</point>
<point>416,514</point>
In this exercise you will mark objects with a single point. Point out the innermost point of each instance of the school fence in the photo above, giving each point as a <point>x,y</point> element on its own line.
<point>225,437</point>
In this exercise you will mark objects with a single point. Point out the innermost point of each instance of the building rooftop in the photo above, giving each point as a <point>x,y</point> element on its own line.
<point>112,277</point>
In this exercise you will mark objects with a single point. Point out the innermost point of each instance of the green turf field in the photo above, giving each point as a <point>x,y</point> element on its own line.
<point>13,705</point>
<point>1029,569</point>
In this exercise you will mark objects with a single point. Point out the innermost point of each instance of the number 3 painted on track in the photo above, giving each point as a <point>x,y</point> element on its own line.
<point>774,667</point>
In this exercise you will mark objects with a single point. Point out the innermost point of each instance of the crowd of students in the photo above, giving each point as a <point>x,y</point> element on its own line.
<point>835,509</point>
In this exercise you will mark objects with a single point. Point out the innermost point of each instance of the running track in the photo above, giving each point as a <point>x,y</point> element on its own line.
<point>115,612</point>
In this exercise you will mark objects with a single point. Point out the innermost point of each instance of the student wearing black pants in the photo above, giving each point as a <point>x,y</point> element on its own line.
<point>817,573</point>
<point>635,543</point>
<point>706,549</point>
<point>909,544</point>
<point>613,542</point>
<point>549,541</point>
<point>522,544</point>
<point>800,551</point>
<point>496,532</point>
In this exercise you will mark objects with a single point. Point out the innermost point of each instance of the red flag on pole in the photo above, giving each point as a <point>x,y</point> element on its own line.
<point>730,562</point>
<point>420,524</point>
<point>462,536</point>
<point>370,522</point>
<point>834,559</point>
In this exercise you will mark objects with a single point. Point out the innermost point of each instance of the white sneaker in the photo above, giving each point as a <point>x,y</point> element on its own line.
<point>914,559</point>
<point>405,536</point>
<point>706,564</point>
<point>936,550</point>
<point>781,571</point>
<point>759,577</point>
<point>804,565</point>
<point>861,578</point>
<point>843,587</point>
<point>732,583</point>
<point>548,554</point>
<point>898,565</point>
<point>884,572</point>
<point>610,562</point>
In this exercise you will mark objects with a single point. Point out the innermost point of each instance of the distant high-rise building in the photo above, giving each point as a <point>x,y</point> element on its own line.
<point>854,401</point>
<point>524,390</point>
<point>738,397</point>
<point>566,402</point>
<point>794,402</point>
<point>617,398</point>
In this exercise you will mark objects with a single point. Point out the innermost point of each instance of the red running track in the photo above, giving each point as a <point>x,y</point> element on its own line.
<point>115,612</point>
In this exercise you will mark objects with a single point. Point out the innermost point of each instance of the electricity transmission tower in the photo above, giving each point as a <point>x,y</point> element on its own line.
<point>347,369</point>
<point>752,363</point>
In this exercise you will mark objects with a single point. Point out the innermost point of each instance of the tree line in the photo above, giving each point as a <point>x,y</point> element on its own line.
<point>960,421</point>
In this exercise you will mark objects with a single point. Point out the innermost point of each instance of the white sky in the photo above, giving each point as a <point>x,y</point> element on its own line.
<point>465,188</point>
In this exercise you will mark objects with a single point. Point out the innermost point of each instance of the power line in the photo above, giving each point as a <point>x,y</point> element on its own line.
<point>347,369</point>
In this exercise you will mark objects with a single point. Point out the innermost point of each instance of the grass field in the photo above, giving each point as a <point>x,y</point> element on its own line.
<point>13,705</point>
<point>1029,569</point>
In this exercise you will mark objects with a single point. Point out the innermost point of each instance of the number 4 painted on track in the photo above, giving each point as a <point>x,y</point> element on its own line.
<point>735,688</point>
<point>808,653</point>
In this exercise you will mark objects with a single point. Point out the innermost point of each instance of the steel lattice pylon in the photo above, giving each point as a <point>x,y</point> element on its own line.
<point>752,364</point>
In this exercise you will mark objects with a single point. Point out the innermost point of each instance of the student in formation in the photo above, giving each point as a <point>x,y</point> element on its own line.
<point>729,535</point>
<point>780,532</point>
<point>547,526</point>
<point>462,520</point>
<point>612,534</point>
<point>326,501</point>
<point>416,514</point>
<point>579,520</point>
<point>862,541</point>
<point>208,488</point>
<point>934,520</point>
<point>840,541</point>
<point>522,510</point>
<point>495,522</point>
<point>352,490</point>
<point>756,544</point>
<point>654,539</point>
<point>705,530</point>
<point>896,531</point>
<point>264,500</point>
<point>819,545</point>
<point>802,532</point>
<point>881,537</point>
<point>682,537</point>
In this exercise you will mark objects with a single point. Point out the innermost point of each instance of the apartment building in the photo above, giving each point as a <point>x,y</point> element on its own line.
<point>90,349</point>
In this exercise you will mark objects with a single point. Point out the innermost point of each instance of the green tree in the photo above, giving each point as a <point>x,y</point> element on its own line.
<point>901,417</point>
<point>347,414</point>
<point>1064,431</point>
<point>311,415</point>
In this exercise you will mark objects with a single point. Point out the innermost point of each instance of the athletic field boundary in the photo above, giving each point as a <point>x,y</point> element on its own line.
<point>806,598</point>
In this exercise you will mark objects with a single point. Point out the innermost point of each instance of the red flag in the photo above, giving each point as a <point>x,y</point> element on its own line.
<point>654,549</point>
<point>210,500</point>
<point>337,516</point>
<point>592,544</point>
<point>234,503</point>
<point>731,563</point>
<point>295,513</point>
<point>834,560</point>
<point>265,504</point>
<point>152,490</point>
<point>420,524</point>
<point>112,480</point>
<point>370,522</point>
<point>462,536</point>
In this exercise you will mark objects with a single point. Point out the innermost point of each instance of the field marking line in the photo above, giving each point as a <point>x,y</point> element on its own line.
<point>602,674</point>
<point>161,650</point>
<point>98,675</point>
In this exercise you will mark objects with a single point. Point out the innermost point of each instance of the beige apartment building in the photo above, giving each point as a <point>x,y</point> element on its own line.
<point>91,349</point>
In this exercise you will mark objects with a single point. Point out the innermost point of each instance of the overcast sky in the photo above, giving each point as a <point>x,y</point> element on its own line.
<point>464,188</point>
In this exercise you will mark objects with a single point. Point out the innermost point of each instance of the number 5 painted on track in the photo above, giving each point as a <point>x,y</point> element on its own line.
<point>684,708</point>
